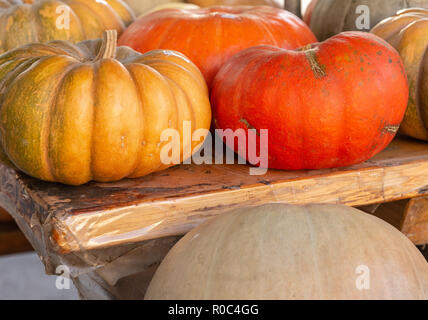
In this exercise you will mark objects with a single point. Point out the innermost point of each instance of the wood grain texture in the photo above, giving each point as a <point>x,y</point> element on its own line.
<point>174,201</point>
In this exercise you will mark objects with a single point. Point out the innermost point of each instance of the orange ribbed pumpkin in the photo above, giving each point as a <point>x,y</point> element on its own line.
<point>210,36</point>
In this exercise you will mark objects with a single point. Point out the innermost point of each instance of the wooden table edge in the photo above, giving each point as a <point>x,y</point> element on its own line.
<point>172,217</point>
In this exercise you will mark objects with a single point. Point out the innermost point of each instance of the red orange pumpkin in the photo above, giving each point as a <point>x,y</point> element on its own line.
<point>210,36</point>
<point>328,105</point>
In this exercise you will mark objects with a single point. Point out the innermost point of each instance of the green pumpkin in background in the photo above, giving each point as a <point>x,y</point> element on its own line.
<point>329,17</point>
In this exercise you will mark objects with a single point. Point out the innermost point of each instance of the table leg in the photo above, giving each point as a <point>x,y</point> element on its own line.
<point>409,216</point>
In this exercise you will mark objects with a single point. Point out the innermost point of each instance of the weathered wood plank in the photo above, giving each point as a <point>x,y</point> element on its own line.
<point>172,202</point>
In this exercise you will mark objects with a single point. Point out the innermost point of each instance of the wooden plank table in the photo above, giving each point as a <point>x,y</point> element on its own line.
<point>169,203</point>
<point>113,236</point>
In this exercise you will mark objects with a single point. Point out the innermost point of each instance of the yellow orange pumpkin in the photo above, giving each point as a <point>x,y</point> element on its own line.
<point>27,21</point>
<point>408,33</point>
<point>75,113</point>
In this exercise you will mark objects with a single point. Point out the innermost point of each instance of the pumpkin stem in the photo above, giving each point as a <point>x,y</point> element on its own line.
<point>317,68</point>
<point>306,48</point>
<point>310,51</point>
<point>108,46</point>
